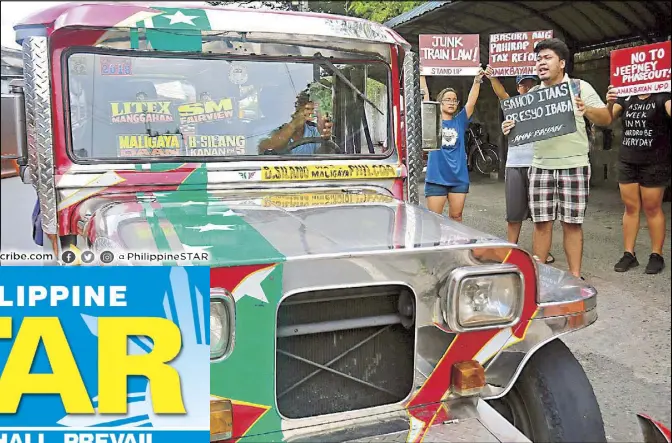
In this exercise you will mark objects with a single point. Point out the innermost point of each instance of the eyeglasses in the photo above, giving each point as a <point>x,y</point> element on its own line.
<point>450,101</point>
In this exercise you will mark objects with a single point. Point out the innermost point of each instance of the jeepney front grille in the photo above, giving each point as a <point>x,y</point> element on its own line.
<point>344,349</point>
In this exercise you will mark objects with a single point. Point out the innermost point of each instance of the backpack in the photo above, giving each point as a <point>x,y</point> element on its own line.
<point>590,127</point>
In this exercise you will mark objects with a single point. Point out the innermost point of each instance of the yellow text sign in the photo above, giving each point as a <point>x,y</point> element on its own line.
<point>328,172</point>
<point>323,199</point>
<point>114,365</point>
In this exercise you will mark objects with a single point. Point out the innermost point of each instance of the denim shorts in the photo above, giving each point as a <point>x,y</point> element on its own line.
<point>434,190</point>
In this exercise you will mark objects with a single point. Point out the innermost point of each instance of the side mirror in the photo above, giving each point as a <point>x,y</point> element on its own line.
<point>14,136</point>
<point>431,126</point>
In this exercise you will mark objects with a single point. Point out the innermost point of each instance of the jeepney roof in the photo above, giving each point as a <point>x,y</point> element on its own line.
<point>129,14</point>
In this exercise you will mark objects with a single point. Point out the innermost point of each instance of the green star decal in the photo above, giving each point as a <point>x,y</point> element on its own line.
<point>174,30</point>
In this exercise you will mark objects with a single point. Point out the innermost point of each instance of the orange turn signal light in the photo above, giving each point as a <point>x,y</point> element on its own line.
<point>467,378</point>
<point>221,419</point>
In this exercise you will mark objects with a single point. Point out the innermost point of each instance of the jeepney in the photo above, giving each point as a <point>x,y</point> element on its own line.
<point>340,310</point>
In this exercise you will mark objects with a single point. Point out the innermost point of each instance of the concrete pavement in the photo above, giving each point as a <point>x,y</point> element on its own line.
<point>626,354</point>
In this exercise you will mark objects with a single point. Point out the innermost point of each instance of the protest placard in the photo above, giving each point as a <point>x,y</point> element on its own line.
<point>449,54</point>
<point>641,70</point>
<point>113,354</point>
<point>513,53</point>
<point>541,114</point>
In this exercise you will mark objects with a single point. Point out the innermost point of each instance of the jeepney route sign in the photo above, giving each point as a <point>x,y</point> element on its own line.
<point>327,172</point>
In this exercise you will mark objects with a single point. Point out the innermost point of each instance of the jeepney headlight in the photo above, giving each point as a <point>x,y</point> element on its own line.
<point>222,323</point>
<point>484,297</point>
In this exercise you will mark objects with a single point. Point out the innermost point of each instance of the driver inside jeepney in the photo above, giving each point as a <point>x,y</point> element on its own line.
<point>300,127</point>
<point>169,107</point>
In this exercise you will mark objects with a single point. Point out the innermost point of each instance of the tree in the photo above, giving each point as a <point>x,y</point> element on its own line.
<point>381,11</point>
<point>378,11</point>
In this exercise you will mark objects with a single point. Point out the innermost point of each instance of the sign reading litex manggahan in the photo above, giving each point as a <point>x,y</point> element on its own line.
<point>104,355</point>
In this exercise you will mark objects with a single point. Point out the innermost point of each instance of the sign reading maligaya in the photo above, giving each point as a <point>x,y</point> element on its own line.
<point>114,354</point>
<point>449,54</point>
<point>541,114</point>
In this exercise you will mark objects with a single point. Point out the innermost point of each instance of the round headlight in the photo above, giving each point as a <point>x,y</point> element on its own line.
<point>221,324</point>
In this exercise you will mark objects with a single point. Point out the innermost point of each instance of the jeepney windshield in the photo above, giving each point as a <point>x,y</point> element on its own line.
<point>142,107</point>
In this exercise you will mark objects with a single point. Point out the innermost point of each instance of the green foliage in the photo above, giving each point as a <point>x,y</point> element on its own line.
<point>378,11</point>
<point>381,11</point>
<point>322,96</point>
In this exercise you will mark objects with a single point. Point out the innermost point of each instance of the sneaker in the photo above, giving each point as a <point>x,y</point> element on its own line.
<point>656,264</point>
<point>626,262</point>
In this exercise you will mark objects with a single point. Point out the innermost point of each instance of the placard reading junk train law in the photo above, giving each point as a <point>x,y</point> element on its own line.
<point>449,54</point>
<point>541,114</point>
<point>104,354</point>
<point>513,53</point>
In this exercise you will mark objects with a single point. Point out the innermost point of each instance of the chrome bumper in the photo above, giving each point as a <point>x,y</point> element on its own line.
<point>471,420</point>
<point>476,423</point>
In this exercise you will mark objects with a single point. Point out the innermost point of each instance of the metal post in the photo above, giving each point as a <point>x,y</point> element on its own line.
<point>413,123</point>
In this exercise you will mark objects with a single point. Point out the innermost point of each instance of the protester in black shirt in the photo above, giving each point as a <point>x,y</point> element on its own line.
<point>644,171</point>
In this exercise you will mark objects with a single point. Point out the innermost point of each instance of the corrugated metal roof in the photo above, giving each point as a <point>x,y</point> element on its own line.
<point>414,13</point>
<point>12,58</point>
<point>582,25</point>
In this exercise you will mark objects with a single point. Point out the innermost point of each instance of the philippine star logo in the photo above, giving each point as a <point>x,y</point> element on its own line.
<point>449,136</point>
<point>187,312</point>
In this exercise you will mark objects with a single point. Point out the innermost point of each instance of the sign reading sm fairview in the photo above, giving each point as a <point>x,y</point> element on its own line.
<point>449,54</point>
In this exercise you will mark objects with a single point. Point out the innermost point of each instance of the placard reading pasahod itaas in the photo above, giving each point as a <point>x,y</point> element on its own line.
<point>541,114</point>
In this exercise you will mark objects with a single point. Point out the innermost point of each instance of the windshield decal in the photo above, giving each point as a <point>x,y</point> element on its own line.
<point>327,172</point>
<point>116,66</point>
<point>207,145</point>
<point>141,112</point>
<point>147,146</point>
<point>206,111</point>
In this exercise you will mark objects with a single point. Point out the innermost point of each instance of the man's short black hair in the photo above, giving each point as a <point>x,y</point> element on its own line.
<point>554,44</point>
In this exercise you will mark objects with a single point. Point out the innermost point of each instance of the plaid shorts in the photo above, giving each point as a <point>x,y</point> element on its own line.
<point>559,194</point>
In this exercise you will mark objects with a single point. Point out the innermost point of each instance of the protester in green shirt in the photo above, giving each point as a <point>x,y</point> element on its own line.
<point>560,171</point>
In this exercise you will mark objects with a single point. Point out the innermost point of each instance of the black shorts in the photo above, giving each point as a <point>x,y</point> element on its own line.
<point>655,175</point>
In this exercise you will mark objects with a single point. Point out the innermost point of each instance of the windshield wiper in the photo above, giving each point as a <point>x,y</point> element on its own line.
<point>345,80</point>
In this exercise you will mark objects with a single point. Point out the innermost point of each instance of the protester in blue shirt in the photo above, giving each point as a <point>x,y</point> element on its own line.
<point>447,176</point>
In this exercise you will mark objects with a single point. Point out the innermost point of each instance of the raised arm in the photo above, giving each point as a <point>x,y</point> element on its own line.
<point>613,106</point>
<point>497,86</point>
<point>473,94</point>
<point>592,106</point>
<point>424,89</point>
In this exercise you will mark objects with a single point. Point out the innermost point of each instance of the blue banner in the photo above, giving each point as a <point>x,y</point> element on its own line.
<point>104,354</point>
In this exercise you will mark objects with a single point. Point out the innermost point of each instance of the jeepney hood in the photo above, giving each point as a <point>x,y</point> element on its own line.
<point>266,227</point>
